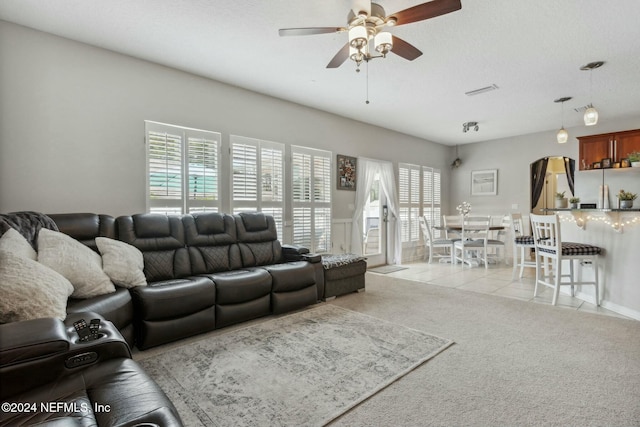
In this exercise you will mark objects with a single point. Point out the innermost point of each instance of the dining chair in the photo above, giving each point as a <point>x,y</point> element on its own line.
<point>430,243</point>
<point>451,220</point>
<point>474,237</point>
<point>551,250</point>
<point>497,242</point>
<point>522,245</point>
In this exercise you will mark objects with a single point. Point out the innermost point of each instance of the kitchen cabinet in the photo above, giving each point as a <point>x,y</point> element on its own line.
<point>615,146</point>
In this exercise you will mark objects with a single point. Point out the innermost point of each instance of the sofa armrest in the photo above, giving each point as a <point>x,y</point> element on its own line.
<point>312,258</point>
<point>35,352</point>
<point>294,252</point>
<point>30,340</point>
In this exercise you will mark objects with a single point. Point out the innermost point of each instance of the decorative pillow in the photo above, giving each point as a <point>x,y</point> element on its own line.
<point>30,290</point>
<point>14,242</point>
<point>79,264</point>
<point>123,263</point>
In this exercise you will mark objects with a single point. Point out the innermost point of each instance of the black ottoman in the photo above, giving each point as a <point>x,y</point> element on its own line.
<point>343,274</point>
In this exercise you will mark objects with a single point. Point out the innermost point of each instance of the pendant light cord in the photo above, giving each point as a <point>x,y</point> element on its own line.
<point>367,101</point>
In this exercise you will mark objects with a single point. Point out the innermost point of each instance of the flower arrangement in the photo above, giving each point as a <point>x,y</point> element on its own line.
<point>574,200</point>
<point>464,208</point>
<point>627,195</point>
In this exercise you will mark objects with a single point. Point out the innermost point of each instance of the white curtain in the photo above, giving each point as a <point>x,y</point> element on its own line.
<point>366,172</point>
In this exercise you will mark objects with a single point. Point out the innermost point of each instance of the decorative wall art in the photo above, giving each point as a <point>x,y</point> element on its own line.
<point>484,183</point>
<point>346,173</point>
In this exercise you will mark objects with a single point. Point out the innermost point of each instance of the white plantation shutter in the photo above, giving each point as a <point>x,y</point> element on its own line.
<point>183,169</point>
<point>257,181</point>
<point>431,201</point>
<point>311,198</point>
<point>409,195</point>
<point>419,194</point>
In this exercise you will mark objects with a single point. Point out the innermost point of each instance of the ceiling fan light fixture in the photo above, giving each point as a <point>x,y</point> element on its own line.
<point>391,21</point>
<point>358,37</point>
<point>590,116</point>
<point>355,55</point>
<point>383,42</point>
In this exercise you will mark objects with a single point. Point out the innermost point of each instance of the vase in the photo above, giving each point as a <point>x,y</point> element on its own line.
<point>574,206</point>
<point>626,204</point>
<point>635,164</point>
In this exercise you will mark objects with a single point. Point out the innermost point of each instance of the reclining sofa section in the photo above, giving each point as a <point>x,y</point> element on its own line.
<point>211,270</point>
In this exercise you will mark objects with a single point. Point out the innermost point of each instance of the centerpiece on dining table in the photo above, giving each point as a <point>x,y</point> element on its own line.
<point>464,208</point>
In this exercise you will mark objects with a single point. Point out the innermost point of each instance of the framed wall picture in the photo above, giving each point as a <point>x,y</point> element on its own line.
<point>484,183</point>
<point>606,163</point>
<point>346,179</point>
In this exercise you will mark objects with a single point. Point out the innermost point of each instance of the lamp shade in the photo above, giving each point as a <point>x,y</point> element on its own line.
<point>562,136</point>
<point>383,42</point>
<point>590,116</point>
<point>358,36</point>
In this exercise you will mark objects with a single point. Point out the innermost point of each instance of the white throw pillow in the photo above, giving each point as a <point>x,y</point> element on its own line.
<point>75,261</point>
<point>14,242</point>
<point>30,290</point>
<point>123,263</point>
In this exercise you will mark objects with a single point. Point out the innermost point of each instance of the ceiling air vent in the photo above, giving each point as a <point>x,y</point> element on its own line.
<point>481,90</point>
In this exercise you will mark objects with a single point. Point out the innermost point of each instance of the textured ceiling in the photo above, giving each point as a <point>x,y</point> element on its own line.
<point>532,50</point>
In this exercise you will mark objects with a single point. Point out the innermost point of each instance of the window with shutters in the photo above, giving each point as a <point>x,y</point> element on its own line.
<point>311,198</point>
<point>431,201</point>
<point>257,177</point>
<point>419,194</point>
<point>182,169</point>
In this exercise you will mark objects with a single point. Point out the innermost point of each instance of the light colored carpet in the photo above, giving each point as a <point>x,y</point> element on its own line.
<point>303,369</point>
<point>386,269</point>
<point>514,363</point>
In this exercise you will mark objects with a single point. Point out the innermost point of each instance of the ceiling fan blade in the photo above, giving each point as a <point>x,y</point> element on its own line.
<point>404,49</point>
<point>425,11</point>
<point>309,31</point>
<point>340,57</point>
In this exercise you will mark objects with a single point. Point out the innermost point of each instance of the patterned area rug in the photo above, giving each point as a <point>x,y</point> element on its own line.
<point>304,369</point>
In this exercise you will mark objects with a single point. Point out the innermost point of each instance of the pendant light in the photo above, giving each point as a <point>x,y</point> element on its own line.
<point>562,136</point>
<point>591,114</point>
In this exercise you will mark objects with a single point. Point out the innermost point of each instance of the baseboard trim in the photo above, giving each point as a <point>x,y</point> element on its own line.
<point>616,308</point>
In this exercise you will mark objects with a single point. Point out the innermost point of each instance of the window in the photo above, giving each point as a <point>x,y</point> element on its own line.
<point>419,194</point>
<point>311,198</point>
<point>431,202</point>
<point>183,169</point>
<point>409,195</point>
<point>257,177</point>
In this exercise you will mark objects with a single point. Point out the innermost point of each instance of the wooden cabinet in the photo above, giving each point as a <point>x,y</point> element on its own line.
<point>615,146</point>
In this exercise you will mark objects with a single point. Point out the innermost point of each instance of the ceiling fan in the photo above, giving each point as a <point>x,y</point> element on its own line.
<point>367,21</point>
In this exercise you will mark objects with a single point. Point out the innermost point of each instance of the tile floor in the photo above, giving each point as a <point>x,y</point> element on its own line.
<point>496,280</point>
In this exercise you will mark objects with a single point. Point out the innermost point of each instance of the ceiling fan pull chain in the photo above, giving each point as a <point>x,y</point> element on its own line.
<point>367,102</point>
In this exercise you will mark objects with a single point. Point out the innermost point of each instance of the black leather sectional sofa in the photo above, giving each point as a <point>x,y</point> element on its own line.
<point>204,271</point>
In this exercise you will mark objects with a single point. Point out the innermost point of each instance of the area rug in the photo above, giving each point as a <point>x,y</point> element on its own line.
<point>386,269</point>
<point>304,369</point>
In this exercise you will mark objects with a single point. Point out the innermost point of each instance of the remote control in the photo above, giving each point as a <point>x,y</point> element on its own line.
<point>82,329</point>
<point>94,328</point>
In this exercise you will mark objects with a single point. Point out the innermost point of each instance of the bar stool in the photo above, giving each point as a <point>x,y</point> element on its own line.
<point>551,249</point>
<point>522,243</point>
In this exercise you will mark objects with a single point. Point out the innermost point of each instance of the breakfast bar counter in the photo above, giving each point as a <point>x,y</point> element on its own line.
<point>617,231</point>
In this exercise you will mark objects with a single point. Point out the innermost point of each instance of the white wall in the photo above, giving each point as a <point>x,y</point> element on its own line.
<point>72,125</point>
